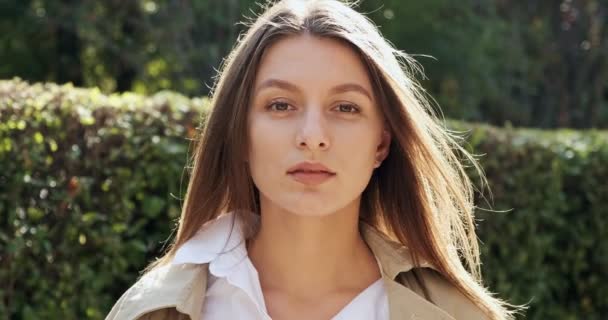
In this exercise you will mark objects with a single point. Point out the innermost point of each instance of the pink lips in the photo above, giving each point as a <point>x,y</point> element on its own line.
<point>311,178</point>
<point>310,173</point>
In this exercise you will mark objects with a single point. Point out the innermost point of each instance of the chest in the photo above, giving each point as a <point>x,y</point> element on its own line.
<point>334,306</point>
<point>245,300</point>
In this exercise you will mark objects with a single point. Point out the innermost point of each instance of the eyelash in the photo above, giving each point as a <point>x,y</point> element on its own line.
<point>354,106</point>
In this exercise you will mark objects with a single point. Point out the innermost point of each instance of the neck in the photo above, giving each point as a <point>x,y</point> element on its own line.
<point>308,256</point>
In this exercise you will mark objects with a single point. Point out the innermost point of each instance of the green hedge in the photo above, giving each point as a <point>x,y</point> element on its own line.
<point>90,189</point>
<point>547,244</point>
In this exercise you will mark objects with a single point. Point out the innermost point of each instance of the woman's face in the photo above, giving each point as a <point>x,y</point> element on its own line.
<point>313,102</point>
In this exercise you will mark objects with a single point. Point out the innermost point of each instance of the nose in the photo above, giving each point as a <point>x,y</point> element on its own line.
<point>312,131</point>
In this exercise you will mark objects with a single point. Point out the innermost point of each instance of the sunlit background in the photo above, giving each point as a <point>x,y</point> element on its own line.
<point>538,63</point>
<point>100,100</point>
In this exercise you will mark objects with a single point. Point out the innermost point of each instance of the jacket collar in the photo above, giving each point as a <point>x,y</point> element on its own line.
<point>393,257</point>
<point>183,286</point>
<point>169,286</point>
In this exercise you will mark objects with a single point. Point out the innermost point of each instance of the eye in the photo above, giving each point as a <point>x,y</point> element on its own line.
<point>278,106</point>
<point>348,108</point>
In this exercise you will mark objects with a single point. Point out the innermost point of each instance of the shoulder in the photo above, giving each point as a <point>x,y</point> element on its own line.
<point>162,287</point>
<point>434,287</point>
<point>125,306</point>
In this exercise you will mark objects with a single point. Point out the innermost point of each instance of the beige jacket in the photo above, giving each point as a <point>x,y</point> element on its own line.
<point>176,292</point>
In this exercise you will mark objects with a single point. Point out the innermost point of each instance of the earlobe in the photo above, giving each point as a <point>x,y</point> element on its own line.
<point>383,148</point>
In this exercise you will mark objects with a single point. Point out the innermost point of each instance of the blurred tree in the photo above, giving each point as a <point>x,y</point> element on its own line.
<point>473,60</point>
<point>531,63</point>
<point>118,45</point>
<point>68,45</point>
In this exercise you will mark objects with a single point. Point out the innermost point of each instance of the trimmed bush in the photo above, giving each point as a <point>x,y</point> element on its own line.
<point>90,191</point>
<point>546,244</point>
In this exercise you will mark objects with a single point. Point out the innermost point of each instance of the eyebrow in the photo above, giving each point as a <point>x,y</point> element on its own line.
<point>292,87</point>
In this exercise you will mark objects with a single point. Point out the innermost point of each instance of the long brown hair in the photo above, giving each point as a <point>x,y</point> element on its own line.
<point>420,196</point>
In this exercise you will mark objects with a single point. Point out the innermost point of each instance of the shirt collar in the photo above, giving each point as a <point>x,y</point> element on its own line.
<point>183,282</point>
<point>221,244</point>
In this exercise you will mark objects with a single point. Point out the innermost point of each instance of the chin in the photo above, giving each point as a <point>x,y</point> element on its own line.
<point>305,203</point>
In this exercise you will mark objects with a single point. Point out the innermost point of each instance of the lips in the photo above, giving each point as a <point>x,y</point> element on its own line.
<point>310,167</point>
<point>310,173</point>
<point>311,178</point>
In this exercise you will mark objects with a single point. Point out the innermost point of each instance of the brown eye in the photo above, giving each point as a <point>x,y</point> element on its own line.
<point>278,106</point>
<point>348,108</point>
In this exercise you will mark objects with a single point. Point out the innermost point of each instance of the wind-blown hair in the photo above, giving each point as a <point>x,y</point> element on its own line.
<point>420,195</point>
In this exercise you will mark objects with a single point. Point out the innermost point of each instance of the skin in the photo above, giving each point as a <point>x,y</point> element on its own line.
<point>310,257</point>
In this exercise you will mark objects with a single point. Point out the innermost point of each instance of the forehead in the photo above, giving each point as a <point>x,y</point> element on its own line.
<point>312,62</point>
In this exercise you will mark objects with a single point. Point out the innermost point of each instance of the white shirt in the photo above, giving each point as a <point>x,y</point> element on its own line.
<point>233,286</point>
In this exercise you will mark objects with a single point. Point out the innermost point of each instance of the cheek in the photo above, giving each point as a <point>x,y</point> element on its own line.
<point>267,141</point>
<point>356,147</point>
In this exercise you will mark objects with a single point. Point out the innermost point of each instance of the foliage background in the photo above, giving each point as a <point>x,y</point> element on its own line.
<point>536,63</point>
<point>91,179</point>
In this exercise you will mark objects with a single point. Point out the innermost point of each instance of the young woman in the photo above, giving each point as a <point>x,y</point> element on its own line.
<point>323,187</point>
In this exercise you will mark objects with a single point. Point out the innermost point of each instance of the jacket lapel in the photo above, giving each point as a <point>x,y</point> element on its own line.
<point>393,259</point>
<point>404,303</point>
<point>191,300</point>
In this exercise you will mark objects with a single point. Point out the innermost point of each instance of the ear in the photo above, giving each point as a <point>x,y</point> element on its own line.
<point>383,148</point>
